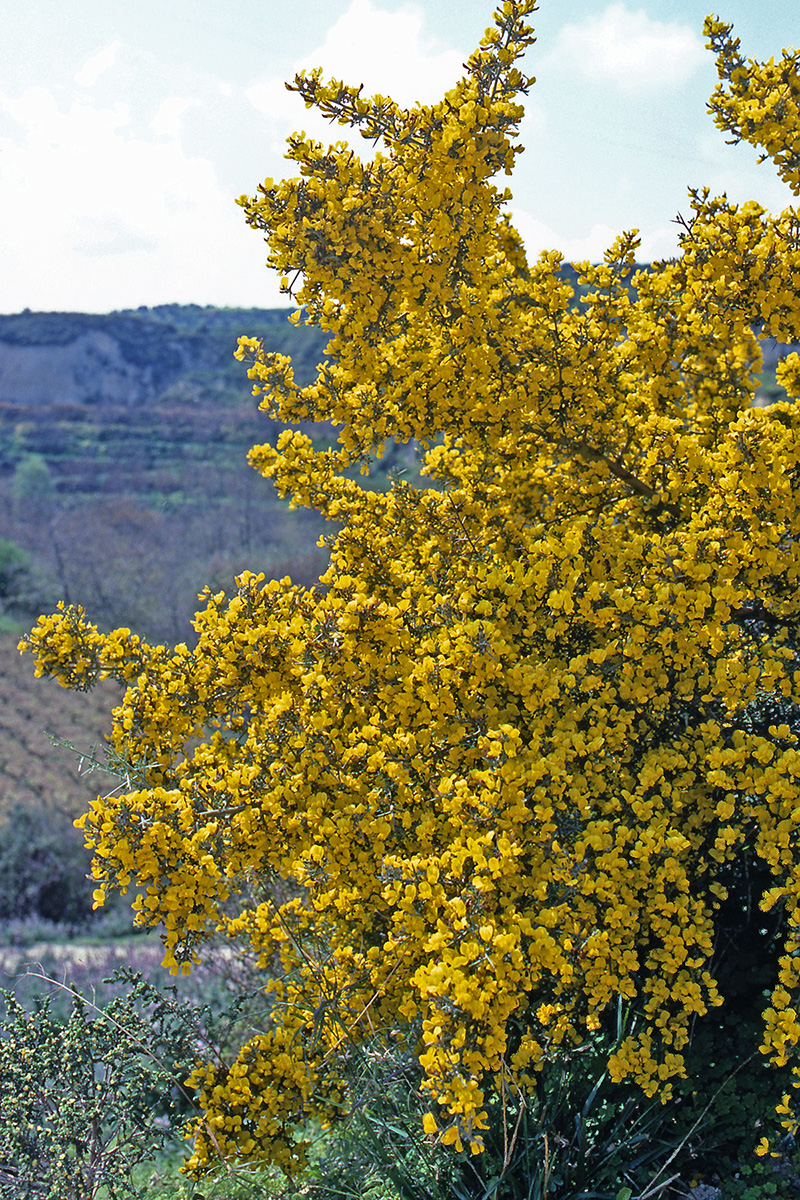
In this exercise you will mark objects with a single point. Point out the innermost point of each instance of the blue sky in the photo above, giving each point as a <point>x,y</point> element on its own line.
<point>127,129</point>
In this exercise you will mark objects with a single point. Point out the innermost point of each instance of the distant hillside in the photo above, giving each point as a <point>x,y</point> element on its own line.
<point>123,458</point>
<point>133,357</point>
<point>104,397</point>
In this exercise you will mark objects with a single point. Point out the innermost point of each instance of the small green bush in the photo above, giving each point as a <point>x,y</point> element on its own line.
<point>83,1102</point>
<point>24,589</point>
<point>43,867</point>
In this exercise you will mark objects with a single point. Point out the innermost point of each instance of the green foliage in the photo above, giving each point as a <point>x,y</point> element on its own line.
<point>765,1180</point>
<point>43,867</point>
<point>577,1135</point>
<point>14,567</point>
<point>78,1101</point>
<point>162,1181</point>
<point>32,481</point>
<point>24,590</point>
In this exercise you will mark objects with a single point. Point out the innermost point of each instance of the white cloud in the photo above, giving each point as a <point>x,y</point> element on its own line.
<point>661,242</point>
<point>167,120</point>
<point>98,213</point>
<point>658,243</point>
<point>736,171</point>
<point>271,98</point>
<point>45,126</point>
<point>97,65</point>
<point>385,51</point>
<point>630,49</point>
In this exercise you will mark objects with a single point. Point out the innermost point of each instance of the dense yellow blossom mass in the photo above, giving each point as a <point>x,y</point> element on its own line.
<point>485,778</point>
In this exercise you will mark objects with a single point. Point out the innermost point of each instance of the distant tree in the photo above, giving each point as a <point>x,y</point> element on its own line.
<point>32,487</point>
<point>25,589</point>
<point>15,568</point>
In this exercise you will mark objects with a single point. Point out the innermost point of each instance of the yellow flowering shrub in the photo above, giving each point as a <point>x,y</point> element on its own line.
<point>506,749</point>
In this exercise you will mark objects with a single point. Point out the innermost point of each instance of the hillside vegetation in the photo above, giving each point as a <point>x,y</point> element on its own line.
<point>123,467</point>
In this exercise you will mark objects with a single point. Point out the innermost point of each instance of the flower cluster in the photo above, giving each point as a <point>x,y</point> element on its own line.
<point>757,102</point>
<point>504,751</point>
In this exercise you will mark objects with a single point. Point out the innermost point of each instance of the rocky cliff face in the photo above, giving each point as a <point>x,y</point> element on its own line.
<point>131,358</point>
<point>91,369</point>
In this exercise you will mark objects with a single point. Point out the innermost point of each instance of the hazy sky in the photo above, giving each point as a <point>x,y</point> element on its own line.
<point>127,129</point>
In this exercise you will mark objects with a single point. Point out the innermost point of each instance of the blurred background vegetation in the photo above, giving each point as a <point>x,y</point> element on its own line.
<point>123,472</point>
